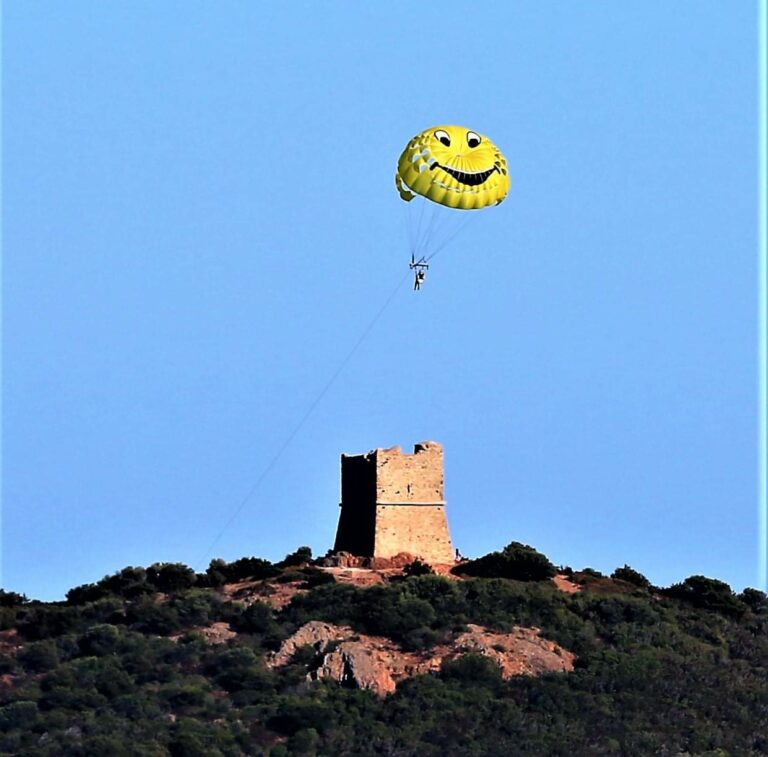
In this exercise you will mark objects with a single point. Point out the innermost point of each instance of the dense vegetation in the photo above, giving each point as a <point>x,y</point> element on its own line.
<point>120,669</point>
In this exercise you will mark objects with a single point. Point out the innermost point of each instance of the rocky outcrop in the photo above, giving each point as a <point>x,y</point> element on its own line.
<point>358,664</point>
<point>348,560</point>
<point>521,652</point>
<point>378,664</point>
<point>315,634</point>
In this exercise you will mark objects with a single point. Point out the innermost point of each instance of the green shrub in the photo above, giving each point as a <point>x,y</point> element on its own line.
<point>18,715</point>
<point>707,594</point>
<point>301,556</point>
<point>517,561</point>
<point>170,577</point>
<point>244,569</point>
<point>315,577</point>
<point>102,639</point>
<point>756,600</point>
<point>12,599</point>
<point>631,576</point>
<point>256,618</point>
<point>7,664</point>
<point>418,568</point>
<point>39,657</point>
<point>471,669</point>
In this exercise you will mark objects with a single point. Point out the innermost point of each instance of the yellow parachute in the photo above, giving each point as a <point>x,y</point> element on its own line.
<point>454,167</point>
<point>450,169</point>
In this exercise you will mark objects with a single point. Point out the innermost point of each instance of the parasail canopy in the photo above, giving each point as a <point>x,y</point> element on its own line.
<point>453,166</point>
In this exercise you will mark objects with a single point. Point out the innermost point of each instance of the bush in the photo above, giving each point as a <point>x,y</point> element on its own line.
<point>707,594</point>
<point>315,577</point>
<point>40,657</point>
<point>756,600</point>
<point>17,715</point>
<point>517,561</point>
<point>631,577</point>
<point>256,618</point>
<point>196,607</point>
<point>129,583</point>
<point>80,595</point>
<point>246,568</point>
<point>418,568</point>
<point>169,577</point>
<point>11,599</point>
<point>7,618</point>
<point>299,557</point>
<point>471,669</point>
<point>7,664</point>
<point>102,639</point>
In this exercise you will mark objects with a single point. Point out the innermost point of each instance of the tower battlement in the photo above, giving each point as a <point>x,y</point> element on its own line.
<point>393,502</point>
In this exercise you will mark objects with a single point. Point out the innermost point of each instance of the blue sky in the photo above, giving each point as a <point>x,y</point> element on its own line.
<point>200,221</point>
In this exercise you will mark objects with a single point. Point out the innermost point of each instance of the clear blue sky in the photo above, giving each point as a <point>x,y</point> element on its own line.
<point>200,220</point>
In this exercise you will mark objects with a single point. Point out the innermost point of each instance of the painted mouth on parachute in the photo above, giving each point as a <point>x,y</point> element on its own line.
<point>463,177</point>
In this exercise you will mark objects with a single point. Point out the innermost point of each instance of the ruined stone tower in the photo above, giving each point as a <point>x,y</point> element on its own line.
<point>393,502</point>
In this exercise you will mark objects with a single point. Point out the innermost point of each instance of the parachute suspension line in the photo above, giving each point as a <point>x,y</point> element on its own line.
<point>464,222</point>
<point>304,418</point>
<point>413,221</point>
<point>409,215</point>
<point>418,225</point>
<point>434,214</point>
<point>419,229</point>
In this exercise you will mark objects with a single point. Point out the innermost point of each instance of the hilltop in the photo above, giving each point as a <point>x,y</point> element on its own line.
<point>501,655</point>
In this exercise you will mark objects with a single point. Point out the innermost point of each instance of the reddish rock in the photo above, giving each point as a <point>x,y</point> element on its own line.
<point>360,664</point>
<point>316,634</point>
<point>378,664</point>
<point>565,584</point>
<point>276,595</point>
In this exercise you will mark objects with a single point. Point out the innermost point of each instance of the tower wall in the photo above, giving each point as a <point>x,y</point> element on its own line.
<point>393,502</point>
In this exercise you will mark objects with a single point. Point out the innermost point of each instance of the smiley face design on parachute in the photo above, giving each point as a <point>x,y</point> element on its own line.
<point>453,166</point>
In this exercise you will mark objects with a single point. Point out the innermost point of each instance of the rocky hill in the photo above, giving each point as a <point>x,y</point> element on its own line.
<point>500,655</point>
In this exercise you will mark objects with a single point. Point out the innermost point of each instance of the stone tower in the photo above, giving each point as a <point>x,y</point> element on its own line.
<point>393,502</point>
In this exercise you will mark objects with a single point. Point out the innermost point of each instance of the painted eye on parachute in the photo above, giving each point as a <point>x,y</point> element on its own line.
<point>473,140</point>
<point>443,137</point>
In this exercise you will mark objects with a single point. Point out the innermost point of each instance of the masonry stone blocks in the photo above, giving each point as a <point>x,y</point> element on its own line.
<point>393,503</point>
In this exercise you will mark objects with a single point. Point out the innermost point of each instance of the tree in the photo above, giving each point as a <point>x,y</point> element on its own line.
<point>631,577</point>
<point>755,599</point>
<point>12,599</point>
<point>708,594</point>
<point>40,657</point>
<point>99,640</point>
<point>170,576</point>
<point>18,715</point>
<point>256,618</point>
<point>299,557</point>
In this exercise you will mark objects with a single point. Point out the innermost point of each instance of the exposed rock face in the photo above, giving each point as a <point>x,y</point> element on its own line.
<point>348,560</point>
<point>316,634</point>
<point>522,652</point>
<point>565,584</point>
<point>217,633</point>
<point>378,664</point>
<point>355,663</point>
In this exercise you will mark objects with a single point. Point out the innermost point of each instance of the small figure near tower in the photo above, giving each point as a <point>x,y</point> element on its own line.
<point>393,503</point>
